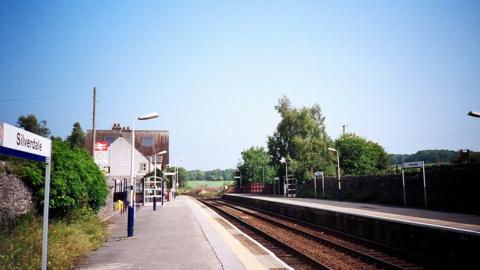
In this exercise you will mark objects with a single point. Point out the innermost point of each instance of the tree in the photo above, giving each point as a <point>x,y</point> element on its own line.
<point>359,156</point>
<point>183,176</point>
<point>429,156</point>
<point>215,175</point>
<point>30,123</point>
<point>77,137</point>
<point>301,137</point>
<point>255,166</point>
<point>76,181</point>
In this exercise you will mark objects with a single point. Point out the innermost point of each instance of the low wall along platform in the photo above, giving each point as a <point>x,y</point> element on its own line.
<point>440,247</point>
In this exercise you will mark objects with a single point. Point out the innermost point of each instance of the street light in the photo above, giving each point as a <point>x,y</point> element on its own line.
<point>474,114</point>
<point>155,171</point>
<point>338,172</point>
<point>284,160</point>
<point>131,207</point>
<point>177,178</point>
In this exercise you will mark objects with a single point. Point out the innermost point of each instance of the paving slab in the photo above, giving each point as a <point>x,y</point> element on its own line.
<point>182,234</point>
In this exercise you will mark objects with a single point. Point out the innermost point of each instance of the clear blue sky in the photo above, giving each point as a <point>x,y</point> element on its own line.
<point>401,73</point>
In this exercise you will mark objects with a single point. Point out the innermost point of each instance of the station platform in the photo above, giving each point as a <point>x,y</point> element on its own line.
<point>463,223</point>
<point>439,239</point>
<point>182,234</point>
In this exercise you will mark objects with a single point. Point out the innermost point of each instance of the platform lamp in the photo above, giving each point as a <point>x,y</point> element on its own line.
<point>338,172</point>
<point>177,177</point>
<point>174,178</point>
<point>155,171</point>
<point>474,114</point>
<point>284,160</point>
<point>131,206</point>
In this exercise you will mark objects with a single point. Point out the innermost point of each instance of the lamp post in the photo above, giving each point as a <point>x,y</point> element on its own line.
<point>176,177</point>
<point>155,171</point>
<point>338,172</point>
<point>131,207</point>
<point>474,114</point>
<point>285,184</point>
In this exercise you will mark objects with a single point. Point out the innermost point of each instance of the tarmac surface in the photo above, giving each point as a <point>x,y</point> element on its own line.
<point>183,234</point>
<point>464,223</point>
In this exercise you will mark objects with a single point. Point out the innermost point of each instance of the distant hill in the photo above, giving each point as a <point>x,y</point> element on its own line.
<point>429,156</point>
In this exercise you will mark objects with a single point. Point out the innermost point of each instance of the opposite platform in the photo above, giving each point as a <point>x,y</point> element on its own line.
<point>436,238</point>
<point>462,223</point>
<point>183,234</point>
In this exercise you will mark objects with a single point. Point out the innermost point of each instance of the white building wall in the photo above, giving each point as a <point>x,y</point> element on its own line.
<point>120,160</point>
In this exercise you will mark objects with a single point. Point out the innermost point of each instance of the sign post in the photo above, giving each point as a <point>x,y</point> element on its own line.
<point>21,143</point>
<point>239,177</point>
<point>102,155</point>
<point>276,179</point>
<point>319,174</point>
<point>416,164</point>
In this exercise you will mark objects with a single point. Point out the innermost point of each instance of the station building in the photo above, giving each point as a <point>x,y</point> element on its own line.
<point>113,156</point>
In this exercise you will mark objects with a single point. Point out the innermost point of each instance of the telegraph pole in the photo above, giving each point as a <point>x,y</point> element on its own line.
<point>94,115</point>
<point>343,126</point>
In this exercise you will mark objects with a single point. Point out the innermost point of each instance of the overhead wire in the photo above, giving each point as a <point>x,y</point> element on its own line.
<point>40,97</point>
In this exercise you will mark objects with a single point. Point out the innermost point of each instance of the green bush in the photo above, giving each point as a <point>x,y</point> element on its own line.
<point>76,182</point>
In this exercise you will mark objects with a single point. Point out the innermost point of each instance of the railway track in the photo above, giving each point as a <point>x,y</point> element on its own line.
<point>316,248</point>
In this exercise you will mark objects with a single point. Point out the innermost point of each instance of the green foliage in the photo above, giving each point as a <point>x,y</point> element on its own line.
<point>183,176</point>
<point>358,156</point>
<point>30,123</point>
<point>434,157</point>
<point>77,137</point>
<point>431,156</point>
<point>255,166</point>
<point>397,159</point>
<point>301,137</point>
<point>76,182</point>
<point>213,175</point>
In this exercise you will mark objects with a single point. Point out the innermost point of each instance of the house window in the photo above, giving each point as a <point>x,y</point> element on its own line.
<point>147,141</point>
<point>142,167</point>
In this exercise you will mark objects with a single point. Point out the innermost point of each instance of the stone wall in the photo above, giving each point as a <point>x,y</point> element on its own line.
<point>15,197</point>
<point>107,211</point>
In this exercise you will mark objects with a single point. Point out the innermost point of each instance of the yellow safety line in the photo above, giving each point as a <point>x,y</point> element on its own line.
<point>248,259</point>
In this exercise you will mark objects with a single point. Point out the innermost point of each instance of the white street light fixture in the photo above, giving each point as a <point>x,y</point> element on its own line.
<point>474,114</point>
<point>338,172</point>
<point>155,170</point>
<point>131,207</point>
<point>285,183</point>
<point>175,183</point>
<point>148,116</point>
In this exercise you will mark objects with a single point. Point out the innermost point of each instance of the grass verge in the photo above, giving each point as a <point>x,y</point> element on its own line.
<point>69,240</point>
<point>202,183</point>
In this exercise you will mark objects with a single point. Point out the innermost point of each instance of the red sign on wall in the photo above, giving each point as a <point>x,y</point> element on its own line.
<point>101,146</point>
